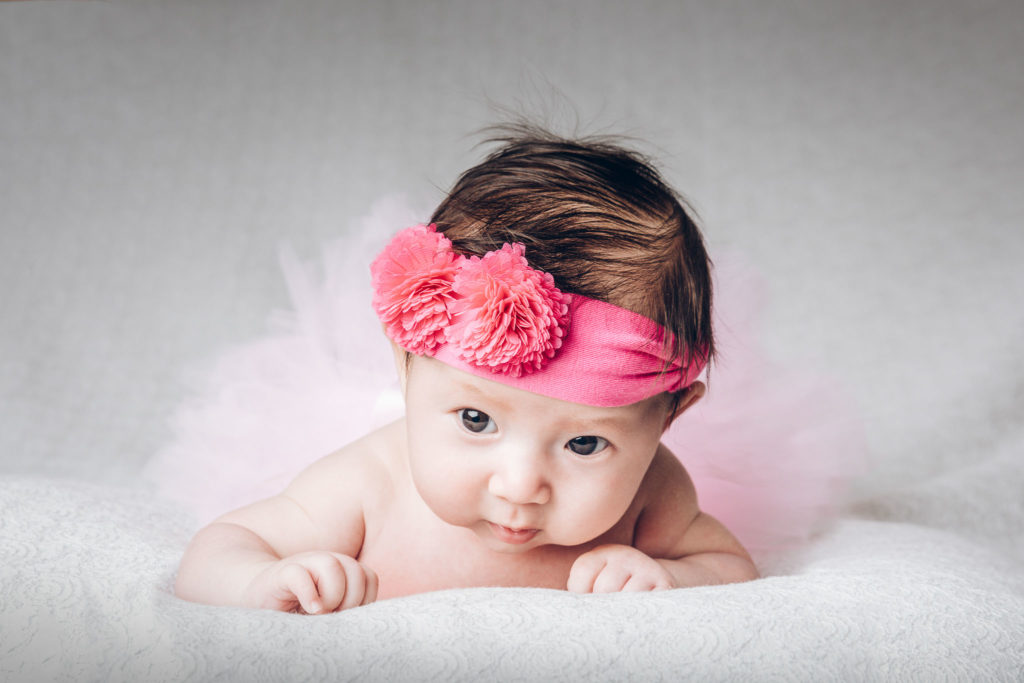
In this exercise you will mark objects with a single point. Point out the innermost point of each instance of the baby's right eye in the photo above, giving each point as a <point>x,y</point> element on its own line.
<point>476,421</point>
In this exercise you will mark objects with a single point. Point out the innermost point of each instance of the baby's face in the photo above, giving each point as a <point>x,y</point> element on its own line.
<point>519,469</point>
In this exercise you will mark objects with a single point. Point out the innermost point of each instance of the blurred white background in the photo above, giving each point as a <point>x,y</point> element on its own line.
<point>867,157</point>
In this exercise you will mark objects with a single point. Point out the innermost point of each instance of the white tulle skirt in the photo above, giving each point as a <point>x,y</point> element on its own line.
<point>769,448</point>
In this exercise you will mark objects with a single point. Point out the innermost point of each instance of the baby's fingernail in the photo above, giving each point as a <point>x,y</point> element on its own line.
<point>315,608</point>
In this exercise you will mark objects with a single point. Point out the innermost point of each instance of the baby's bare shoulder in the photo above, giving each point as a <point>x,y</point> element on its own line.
<point>671,523</point>
<point>668,503</point>
<point>326,506</point>
<point>667,481</point>
<point>358,471</point>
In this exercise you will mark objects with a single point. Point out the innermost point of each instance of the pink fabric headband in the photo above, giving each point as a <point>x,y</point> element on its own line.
<point>498,318</point>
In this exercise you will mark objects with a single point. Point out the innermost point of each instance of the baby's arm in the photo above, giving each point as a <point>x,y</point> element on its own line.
<point>293,551</point>
<point>675,544</point>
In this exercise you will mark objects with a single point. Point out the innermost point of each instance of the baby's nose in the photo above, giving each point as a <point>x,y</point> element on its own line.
<point>520,479</point>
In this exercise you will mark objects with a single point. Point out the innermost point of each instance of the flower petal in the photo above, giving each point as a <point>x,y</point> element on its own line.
<point>412,283</point>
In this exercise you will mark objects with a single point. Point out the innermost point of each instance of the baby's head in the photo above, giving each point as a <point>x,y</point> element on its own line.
<point>557,313</point>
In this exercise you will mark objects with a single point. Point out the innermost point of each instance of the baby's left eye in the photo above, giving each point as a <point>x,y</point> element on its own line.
<point>587,445</point>
<point>476,421</point>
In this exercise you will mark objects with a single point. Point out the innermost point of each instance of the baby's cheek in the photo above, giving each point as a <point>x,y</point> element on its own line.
<point>601,512</point>
<point>447,496</point>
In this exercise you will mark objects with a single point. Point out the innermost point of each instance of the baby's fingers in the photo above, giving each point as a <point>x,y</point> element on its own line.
<point>332,584</point>
<point>613,568</point>
<point>298,581</point>
<point>642,582</point>
<point>611,579</point>
<point>371,586</point>
<point>583,573</point>
<point>361,583</point>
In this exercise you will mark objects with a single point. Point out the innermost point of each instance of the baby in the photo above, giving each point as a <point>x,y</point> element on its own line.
<point>548,325</point>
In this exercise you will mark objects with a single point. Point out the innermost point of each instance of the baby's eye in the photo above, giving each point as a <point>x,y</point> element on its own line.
<point>476,421</point>
<point>587,445</point>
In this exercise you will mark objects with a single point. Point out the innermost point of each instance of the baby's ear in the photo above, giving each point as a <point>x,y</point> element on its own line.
<point>687,397</point>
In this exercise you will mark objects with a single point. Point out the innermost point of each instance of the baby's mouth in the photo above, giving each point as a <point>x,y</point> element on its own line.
<point>510,535</point>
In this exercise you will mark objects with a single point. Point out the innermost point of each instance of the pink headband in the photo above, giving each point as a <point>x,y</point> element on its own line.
<point>498,318</point>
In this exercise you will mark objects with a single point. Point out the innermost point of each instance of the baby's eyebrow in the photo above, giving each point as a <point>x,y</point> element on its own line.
<point>595,424</point>
<point>617,422</point>
<point>490,398</point>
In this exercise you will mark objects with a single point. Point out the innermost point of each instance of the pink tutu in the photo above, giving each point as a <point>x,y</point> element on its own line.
<point>769,449</point>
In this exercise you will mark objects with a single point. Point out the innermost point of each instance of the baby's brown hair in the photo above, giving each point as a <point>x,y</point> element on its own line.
<point>598,217</point>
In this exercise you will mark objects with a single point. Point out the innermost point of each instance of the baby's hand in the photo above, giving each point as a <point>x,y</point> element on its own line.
<point>314,582</point>
<point>612,568</point>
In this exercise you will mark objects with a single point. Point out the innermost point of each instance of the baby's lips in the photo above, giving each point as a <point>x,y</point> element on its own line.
<point>511,535</point>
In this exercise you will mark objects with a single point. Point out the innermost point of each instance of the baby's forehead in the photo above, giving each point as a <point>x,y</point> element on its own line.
<point>454,381</point>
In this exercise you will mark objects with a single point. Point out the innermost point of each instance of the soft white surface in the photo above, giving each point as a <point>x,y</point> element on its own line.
<point>85,574</point>
<point>868,155</point>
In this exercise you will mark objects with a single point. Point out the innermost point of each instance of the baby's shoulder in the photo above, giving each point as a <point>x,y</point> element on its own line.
<point>360,473</point>
<point>667,501</point>
<point>667,480</point>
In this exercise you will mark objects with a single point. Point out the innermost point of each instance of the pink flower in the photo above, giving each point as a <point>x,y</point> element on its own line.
<point>506,316</point>
<point>412,284</point>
